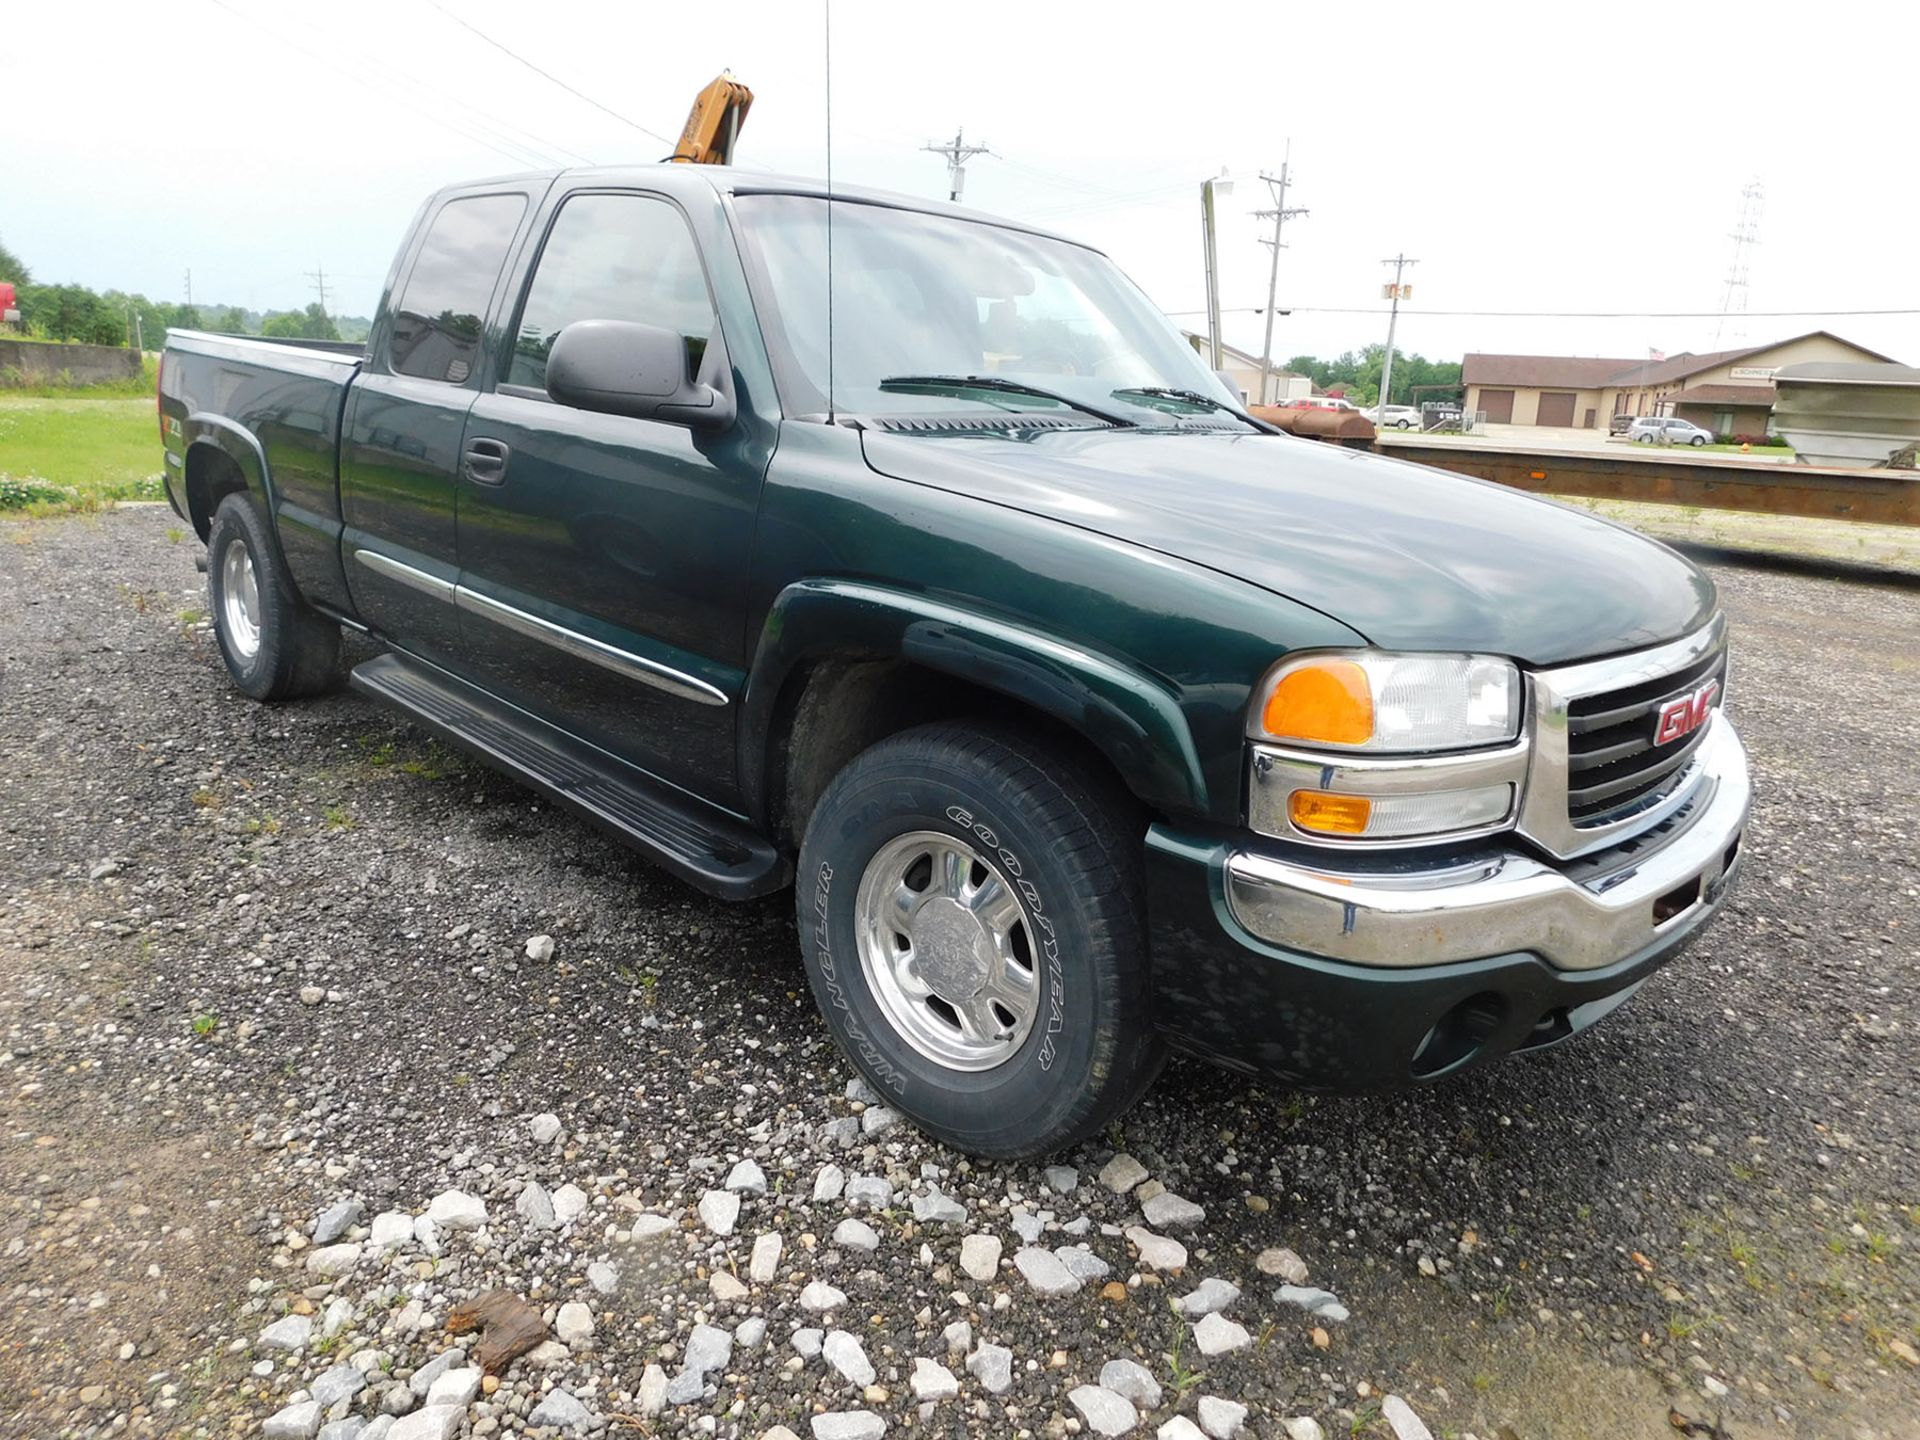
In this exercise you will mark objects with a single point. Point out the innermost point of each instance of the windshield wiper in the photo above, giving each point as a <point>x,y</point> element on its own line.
<point>1191,397</point>
<point>937,384</point>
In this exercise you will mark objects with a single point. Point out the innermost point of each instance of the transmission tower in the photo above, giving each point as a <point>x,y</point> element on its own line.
<point>1746,235</point>
<point>318,275</point>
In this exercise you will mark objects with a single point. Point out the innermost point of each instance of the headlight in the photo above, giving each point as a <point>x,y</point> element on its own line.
<point>1377,702</point>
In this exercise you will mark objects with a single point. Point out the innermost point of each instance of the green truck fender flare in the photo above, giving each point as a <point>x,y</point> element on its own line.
<point>203,428</point>
<point>1130,716</point>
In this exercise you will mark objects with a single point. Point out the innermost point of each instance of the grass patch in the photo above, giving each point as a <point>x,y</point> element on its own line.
<point>59,454</point>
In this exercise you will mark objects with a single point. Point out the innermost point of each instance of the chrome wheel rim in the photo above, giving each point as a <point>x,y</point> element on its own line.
<point>240,600</point>
<point>947,950</point>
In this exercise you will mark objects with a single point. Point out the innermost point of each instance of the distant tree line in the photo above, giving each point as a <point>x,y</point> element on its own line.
<point>114,317</point>
<point>1359,372</point>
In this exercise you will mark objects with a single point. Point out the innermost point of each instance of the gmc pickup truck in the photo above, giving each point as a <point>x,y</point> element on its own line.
<point>1086,716</point>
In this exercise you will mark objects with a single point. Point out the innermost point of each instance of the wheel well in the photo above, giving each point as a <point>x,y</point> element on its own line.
<point>840,706</point>
<point>212,475</point>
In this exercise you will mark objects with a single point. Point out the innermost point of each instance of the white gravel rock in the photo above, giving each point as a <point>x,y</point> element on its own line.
<point>844,1354</point>
<point>1404,1423</point>
<point>1122,1173</point>
<point>560,1410</point>
<point>289,1332</point>
<point>726,1287</point>
<point>540,949</point>
<point>1157,1252</point>
<point>1061,1179</point>
<point>1082,1263</point>
<point>1284,1263</point>
<point>959,1337</point>
<point>1179,1428</point>
<point>1168,1211</point>
<point>1222,1419</point>
<point>332,1260</point>
<point>338,1315</point>
<point>992,1366</point>
<point>423,1379</point>
<point>764,1263</point>
<point>709,1348</point>
<point>569,1204</point>
<point>545,1128</point>
<point>818,1297</point>
<point>390,1230</point>
<point>848,1425</point>
<point>650,1395</point>
<point>878,1119</point>
<point>1105,1413</point>
<point>1217,1335</point>
<point>296,1422</point>
<point>807,1341</point>
<point>651,1227</point>
<point>334,1221</point>
<point>535,1206</point>
<point>337,1383</point>
<point>602,1277</point>
<point>573,1324</point>
<point>933,1381</point>
<point>852,1234</point>
<point>1044,1271</point>
<point>747,1178</point>
<point>1208,1296</point>
<point>1317,1302</point>
<point>456,1210</point>
<point>828,1184</point>
<point>426,1233</point>
<point>1303,1427</point>
<point>980,1257</point>
<point>436,1422</point>
<point>751,1333</point>
<point>1131,1381</point>
<point>720,1211</point>
<point>869,1192</point>
<point>934,1207</point>
<point>456,1387</point>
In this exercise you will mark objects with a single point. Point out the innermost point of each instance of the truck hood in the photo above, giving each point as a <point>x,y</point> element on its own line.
<point>1412,558</point>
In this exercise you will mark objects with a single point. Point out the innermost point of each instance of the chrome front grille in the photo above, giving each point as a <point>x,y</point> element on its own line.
<point>1596,776</point>
<point>1614,766</point>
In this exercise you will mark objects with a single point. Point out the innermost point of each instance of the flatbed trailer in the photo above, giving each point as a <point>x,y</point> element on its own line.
<point>1673,477</point>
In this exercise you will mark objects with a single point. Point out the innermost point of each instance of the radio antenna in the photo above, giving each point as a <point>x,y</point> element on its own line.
<point>829,62</point>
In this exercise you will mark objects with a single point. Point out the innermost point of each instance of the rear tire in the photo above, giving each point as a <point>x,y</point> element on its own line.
<point>276,646</point>
<point>1002,1034</point>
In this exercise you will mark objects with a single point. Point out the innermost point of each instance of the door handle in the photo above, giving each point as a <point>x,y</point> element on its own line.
<point>485,462</point>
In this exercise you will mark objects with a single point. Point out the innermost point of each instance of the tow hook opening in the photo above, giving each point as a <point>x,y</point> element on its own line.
<point>1459,1035</point>
<point>1676,901</point>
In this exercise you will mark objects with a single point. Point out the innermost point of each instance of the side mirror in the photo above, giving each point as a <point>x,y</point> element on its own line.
<point>620,367</point>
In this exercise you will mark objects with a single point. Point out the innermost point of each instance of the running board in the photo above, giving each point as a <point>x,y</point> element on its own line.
<point>704,846</point>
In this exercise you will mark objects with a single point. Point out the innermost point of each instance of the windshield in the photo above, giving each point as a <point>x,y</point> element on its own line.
<point>932,298</point>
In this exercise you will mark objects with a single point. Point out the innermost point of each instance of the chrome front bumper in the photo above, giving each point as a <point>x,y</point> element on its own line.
<point>1578,915</point>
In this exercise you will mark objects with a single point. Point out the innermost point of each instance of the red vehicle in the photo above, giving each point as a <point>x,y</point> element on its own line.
<point>9,304</point>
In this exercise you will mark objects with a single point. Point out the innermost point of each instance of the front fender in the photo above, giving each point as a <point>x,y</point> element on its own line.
<point>1134,719</point>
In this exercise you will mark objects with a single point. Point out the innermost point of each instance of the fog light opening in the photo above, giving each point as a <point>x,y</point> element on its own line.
<point>1459,1035</point>
<point>1556,1024</point>
<point>1726,860</point>
<point>1676,901</point>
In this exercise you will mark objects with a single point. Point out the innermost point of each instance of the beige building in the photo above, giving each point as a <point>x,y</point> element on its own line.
<point>1243,373</point>
<point>1728,391</point>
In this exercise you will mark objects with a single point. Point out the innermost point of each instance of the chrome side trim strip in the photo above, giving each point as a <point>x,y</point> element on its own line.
<point>585,647</point>
<point>406,575</point>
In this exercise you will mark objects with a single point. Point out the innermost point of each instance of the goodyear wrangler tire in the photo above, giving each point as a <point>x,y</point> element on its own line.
<point>970,912</point>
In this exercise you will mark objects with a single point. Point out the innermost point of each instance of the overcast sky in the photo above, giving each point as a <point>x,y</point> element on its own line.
<point>1533,157</point>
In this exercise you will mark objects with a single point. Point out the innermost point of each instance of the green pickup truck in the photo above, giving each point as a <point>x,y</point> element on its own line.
<point>1087,717</point>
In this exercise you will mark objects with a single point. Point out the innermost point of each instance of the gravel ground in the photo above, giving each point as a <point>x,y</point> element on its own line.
<point>288,1074</point>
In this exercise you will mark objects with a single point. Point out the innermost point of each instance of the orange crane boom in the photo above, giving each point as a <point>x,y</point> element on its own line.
<point>714,122</point>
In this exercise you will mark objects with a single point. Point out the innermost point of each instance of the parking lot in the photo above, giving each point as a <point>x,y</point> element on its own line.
<point>259,964</point>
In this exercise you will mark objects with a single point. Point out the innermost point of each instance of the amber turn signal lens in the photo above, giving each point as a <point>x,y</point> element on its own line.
<point>1330,702</point>
<point>1329,814</point>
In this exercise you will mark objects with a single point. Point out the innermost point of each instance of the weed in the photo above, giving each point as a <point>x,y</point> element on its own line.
<point>206,800</point>
<point>1502,1299</point>
<point>175,534</point>
<point>205,1024</point>
<point>338,819</point>
<point>1184,1379</point>
<point>263,825</point>
<point>189,618</point>
<point>1363,1418</point>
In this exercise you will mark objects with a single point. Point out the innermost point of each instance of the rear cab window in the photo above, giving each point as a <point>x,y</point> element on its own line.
<point>611,257</point>
<point>440,315</point>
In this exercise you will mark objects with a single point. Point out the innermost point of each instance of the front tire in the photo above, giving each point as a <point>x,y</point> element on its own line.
<point>970,912</point>
<point>275,645</point>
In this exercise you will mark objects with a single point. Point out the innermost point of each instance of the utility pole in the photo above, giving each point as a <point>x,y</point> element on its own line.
<point>958,152</point>
<point>1396,292</point>
<point>189,287</point>
<point>1279,214</point>
<point>319,277</point>
<point>1211,253</point>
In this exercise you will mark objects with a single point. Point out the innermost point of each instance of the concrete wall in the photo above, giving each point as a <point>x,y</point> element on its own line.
<point>82,364</point>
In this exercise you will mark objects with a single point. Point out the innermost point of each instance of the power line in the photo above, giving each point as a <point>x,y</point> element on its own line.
<point>554,79</point>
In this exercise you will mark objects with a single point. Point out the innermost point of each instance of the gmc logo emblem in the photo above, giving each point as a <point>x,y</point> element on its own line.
<point>1685,715</point>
